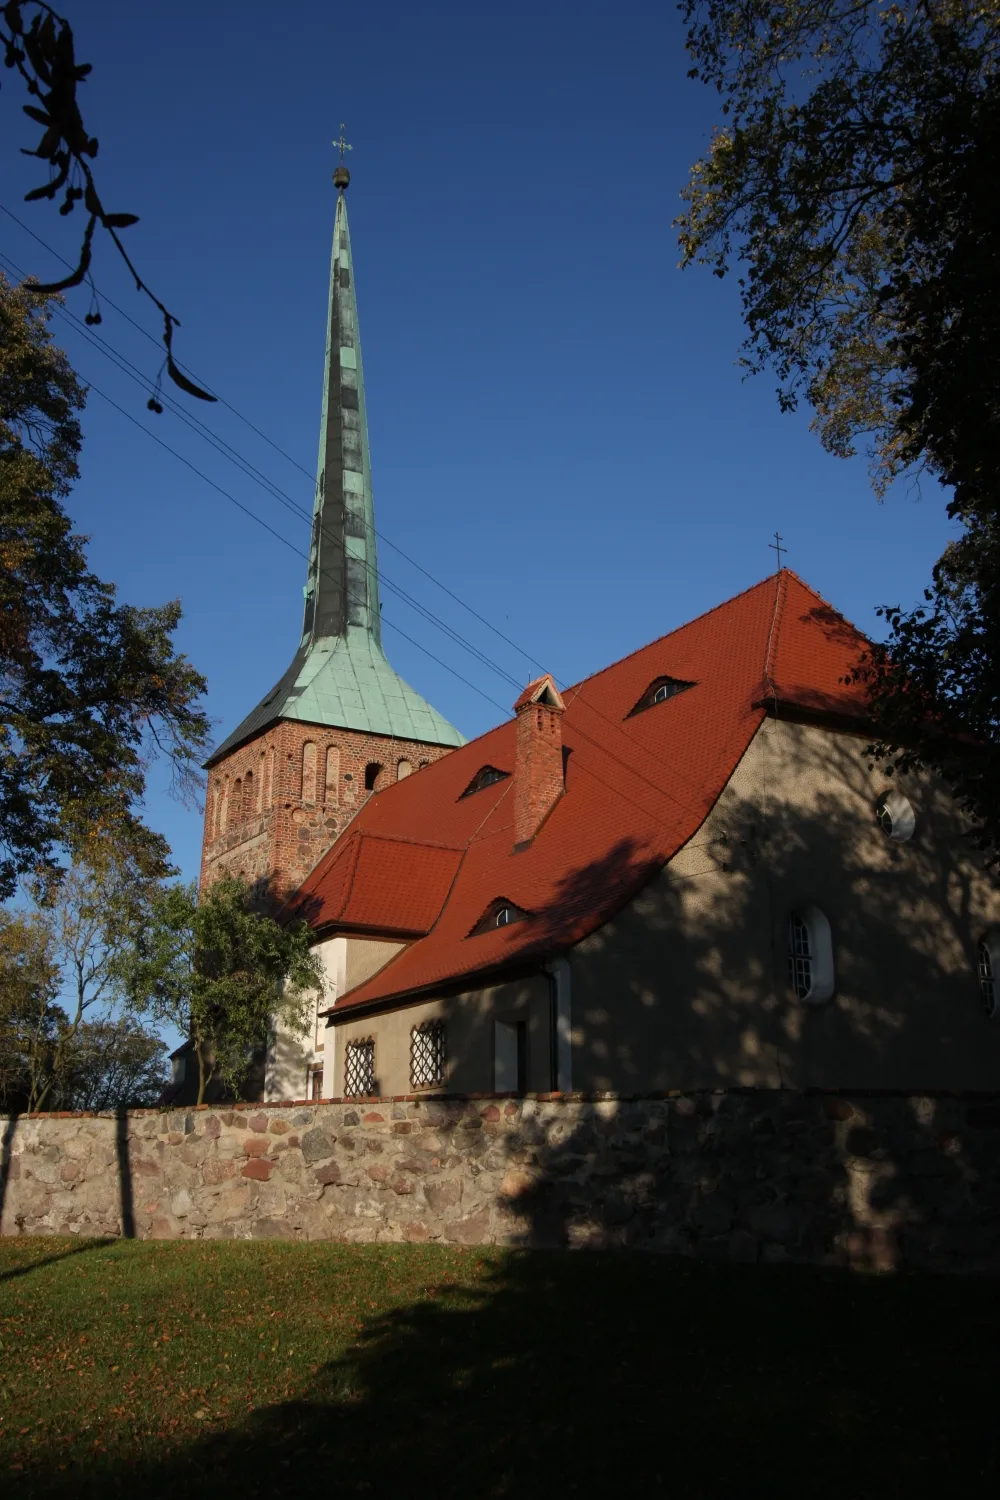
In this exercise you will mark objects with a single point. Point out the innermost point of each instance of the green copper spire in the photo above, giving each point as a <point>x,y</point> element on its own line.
<point>339,676</point>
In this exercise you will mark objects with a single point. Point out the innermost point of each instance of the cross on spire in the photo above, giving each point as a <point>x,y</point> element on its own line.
<point>341,143</point>
<point>777,547</point>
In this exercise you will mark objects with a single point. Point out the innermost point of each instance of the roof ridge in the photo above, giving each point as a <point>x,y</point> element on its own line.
<point>576,687</point>
<point>817,595</point>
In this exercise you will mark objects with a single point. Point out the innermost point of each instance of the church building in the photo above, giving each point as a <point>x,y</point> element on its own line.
<point>339,723</point>
<point>683,872</point>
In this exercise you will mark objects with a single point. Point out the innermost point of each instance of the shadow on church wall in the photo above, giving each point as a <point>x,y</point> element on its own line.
<point>721,1366</point>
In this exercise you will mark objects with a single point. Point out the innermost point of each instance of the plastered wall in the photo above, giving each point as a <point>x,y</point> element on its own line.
<point>688,986</point>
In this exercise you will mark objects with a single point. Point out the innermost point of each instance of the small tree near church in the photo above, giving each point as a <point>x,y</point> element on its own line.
<point>224,973</point>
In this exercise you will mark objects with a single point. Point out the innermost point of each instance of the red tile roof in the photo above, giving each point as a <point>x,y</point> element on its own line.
<point>421,858</point>
<point>380,883</point>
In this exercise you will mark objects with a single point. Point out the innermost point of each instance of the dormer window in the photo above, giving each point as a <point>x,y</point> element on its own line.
<point>659,690</point>
<point>499,913</point>
<point>484,777</point>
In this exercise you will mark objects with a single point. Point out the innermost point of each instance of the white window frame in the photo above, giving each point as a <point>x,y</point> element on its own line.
<point>820,956</point>
<point>989,997</point>
<point>895,815</point>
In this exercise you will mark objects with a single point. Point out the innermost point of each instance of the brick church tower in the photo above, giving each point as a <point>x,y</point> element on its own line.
<point>340,723</point>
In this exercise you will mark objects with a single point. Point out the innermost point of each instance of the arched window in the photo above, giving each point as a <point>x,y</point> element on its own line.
<point>987,955</point>
<point>236,803</point>
<point>423,765</point>
<point>427,1055</point>
<point>309,771</point>
<point>249,800</point>
<point>332,776</point>
<point>224,806</point>
<point>216,807</point>
<point>896,817</point>
<point>659,690</point>
<point>810,955</point>
<point>269,790</point>
<point>484,777</point>
<point>403,770</point>
<point>372,772</point>
<point>261,772</point>
<point>499,913</point>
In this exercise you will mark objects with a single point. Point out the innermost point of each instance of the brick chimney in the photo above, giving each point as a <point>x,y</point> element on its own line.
<point>538,764</point>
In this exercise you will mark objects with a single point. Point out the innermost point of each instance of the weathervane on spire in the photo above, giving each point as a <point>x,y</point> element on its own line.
<point>342,177</point>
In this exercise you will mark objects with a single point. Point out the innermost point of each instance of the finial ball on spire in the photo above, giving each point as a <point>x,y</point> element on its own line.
<point>341,178</point>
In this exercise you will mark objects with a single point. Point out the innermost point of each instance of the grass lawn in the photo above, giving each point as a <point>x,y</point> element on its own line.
<point>267,1369</point>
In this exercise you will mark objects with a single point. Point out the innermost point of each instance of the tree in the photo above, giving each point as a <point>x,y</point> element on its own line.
<point>93,915</point>
<point>54,1058</point>
<point>39,45</point>
<point>90,689</point>
<point>853,182</point>
<point>117,1064</point>
<point>30,1021</point>
<point>225,973</point>
<point>62,961</point>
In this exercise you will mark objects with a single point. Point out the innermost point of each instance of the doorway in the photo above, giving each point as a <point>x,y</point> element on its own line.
<point>510,1057</point>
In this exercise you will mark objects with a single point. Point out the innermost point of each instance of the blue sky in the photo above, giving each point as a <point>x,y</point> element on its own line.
<point>559,429</point>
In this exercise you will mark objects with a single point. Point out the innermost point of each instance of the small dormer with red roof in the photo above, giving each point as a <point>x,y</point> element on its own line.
<point>721,893</point>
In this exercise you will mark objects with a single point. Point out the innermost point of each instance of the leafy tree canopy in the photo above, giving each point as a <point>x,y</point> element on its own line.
<point>853,183</point>
<point>225,973</point>
<point>90,689</point>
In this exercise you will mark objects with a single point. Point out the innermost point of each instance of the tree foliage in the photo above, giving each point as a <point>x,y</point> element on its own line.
<point>90,689</point>
<point>226,974</point>
<point>30,1021</point>
<point>117,1063</point>
<point>62,962</point>
<point>853,183</point>
<point>38,45</point>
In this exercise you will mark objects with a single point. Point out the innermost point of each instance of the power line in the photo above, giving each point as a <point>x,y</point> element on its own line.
<point>227,451</point>
<point>284,540</point>
<point>271,443</point>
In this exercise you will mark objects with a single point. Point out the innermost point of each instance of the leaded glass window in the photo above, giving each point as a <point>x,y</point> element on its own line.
<point>359,1068</point>
<point>800,956</point>
<point>427,1055</point>
<point>987,979</point>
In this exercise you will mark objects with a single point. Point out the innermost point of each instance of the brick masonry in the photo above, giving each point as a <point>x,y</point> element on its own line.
<point>539,779</point>
<point>861,1180</point>
<point>274,808</point>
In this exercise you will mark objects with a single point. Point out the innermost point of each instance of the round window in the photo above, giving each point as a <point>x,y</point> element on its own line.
<point>896,817</point>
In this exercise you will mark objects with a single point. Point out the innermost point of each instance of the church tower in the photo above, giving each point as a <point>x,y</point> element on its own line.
<point>340,723</point>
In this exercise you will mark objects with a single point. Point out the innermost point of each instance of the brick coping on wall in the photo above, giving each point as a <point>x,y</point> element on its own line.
<point>576,1097</point>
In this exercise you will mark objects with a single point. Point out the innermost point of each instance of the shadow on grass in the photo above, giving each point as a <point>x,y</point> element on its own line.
<point>623,1374</point>
<point>50,1260</point>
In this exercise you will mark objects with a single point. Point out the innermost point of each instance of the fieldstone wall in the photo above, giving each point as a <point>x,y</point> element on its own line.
<point>875,1181</point>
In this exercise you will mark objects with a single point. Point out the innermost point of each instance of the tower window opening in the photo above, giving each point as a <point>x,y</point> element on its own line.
<point>373,771</point>
<point>309,771</point>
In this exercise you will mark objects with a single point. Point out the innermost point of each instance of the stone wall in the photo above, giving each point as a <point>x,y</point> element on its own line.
<point>875,1181</point>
